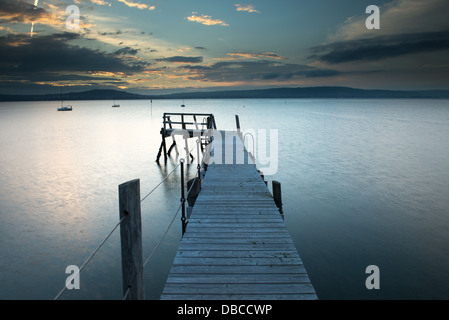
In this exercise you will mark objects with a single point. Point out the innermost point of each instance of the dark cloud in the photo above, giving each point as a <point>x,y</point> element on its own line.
<point>14,11</point>
<point>22,54</point>
<point>196,67</point>
<point>322,73</point>
<point>261,70</point>
<point>182,59</point>
<point>126,50</point>
<point>116,33</point>
<point>26,62</point>
<point>381,47</point>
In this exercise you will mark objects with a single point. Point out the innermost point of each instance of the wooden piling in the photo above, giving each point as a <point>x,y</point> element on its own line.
<point>194,190</point>
<point>277,195</point>
<point>173,138</point>
<point>131,240</point>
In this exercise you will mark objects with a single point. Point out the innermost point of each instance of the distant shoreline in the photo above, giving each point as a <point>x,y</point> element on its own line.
<point>275,93</point>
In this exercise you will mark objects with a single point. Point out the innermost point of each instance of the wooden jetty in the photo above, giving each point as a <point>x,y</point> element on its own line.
<point>236,244</point>
<point>179,124</point>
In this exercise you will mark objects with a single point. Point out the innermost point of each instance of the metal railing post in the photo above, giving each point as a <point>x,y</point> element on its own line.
<point>198,166</point>
<point>183,199</point>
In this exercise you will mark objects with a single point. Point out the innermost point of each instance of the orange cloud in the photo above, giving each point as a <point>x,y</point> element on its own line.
<point>206,20</point>
<point>246,7</point>
<point>137,5</point>
<point>106,74</point>
<point>245,55</point>
<point>98,2</point>
<point>7,29</point>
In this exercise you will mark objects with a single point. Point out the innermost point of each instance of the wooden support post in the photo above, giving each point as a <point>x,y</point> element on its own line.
<point>237,123</point>
<point>277,195</point>
<point>173,138</point>
<point>194,190</point>
<point>162,147</point>
<point>183,123</point>
<point>173,146</point>
<point>195,122</point>
<point>186,148</point>
<point>131,240</point>
<point>165,146</point>
<point>160,151</point>
<point>209,123</point>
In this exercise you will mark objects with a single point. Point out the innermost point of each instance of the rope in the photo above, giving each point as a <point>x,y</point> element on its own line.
<point>91,256</point>
<point>163,237</point>
<point>160,182</point>
<point>169,226</point>
<point>126,293</point>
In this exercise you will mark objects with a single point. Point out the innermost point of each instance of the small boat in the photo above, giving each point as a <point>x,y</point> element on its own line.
<point>65,108</point>
<point>115,105</point>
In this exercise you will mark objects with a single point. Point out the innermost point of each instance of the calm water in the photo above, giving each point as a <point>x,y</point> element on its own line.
<point>364,182</point>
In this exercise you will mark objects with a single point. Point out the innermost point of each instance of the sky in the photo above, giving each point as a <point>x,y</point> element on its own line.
<point>164,46</point>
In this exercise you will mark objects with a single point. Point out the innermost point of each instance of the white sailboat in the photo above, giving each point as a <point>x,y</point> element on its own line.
<point>64,107</point>
<point>115,105</point>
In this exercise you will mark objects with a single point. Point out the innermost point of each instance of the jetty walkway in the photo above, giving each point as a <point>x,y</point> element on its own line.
<point>236,244</point>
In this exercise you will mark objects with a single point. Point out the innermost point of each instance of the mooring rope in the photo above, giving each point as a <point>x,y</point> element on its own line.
<point>91,256</point>
<point>160,183</point>
<point>169,226</point>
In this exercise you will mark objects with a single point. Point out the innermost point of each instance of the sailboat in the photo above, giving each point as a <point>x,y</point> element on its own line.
<point>64,107</point>
<point>183,105</point>
<point>115,105</point>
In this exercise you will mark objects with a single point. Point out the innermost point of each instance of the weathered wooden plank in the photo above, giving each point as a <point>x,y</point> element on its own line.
<point>264,296</point>
<point>235,246</point>
<point>221,224</point>
<point>234,210</point>
<point>238,237</point>
<point>228,261</point>
<point>242,288</point>
<point>246,214</point>
<point>238,253</point>
<point>261,241</point>
<point>243,269</point>
<point>231,239</point>
<point>238,278</point>
<point>233,219</point>
<point>210,201</point>
<point>229,230</point>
